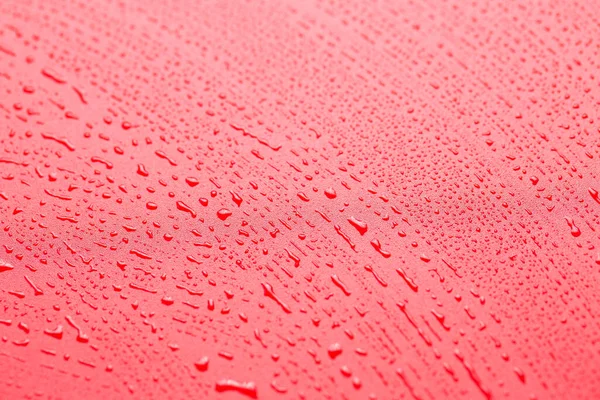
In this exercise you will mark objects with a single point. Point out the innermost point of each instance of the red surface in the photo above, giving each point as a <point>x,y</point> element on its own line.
<point>299,199</point>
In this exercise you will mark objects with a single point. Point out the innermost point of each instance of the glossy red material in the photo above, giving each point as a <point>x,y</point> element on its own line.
<point>279,199</point>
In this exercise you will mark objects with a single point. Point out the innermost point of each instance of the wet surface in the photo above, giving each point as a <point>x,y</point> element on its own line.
<point>305,200</point>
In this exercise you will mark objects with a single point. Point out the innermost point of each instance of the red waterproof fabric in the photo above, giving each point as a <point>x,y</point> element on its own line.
<point>299,199</point>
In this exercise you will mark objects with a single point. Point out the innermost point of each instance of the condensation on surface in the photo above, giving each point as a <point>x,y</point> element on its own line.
<point>299,199</point>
